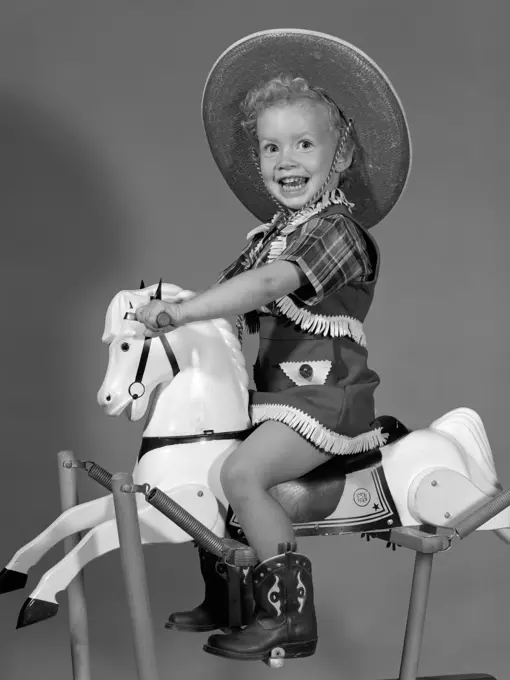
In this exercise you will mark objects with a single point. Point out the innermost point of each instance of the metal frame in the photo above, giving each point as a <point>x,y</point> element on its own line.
<point>424,542</point>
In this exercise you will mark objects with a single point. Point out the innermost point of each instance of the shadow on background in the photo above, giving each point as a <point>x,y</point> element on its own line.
<point>61,230</point>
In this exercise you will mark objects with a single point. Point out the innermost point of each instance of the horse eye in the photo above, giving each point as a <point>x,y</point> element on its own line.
<point>125,347</point>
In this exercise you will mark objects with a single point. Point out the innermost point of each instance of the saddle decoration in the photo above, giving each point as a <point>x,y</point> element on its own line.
<point>318,324</point>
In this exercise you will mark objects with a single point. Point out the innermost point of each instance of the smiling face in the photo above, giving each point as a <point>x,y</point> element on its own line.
<point>296,150</point>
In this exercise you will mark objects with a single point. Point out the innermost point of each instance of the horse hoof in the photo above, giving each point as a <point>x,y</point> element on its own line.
<point>12,580</point>
<point>34,611</point>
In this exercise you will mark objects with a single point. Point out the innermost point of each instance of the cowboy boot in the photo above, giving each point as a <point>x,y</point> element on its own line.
<point>214,612</point>
<point>284,614</point>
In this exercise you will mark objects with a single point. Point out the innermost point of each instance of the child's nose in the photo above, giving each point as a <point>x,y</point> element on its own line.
<point>286,160</point>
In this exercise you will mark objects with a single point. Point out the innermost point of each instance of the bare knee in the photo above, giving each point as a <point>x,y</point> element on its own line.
<point>238,481</point>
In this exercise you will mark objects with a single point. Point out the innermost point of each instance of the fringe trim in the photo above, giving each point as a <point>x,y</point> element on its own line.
<point>325,439</point>
<point>336,326</point>
<point>320,324</point>
<point>264,228</point>
<point>277,247</point>
<point>335,197</point>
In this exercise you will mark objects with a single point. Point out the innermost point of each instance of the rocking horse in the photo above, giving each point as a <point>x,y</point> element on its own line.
<point>192,385</point>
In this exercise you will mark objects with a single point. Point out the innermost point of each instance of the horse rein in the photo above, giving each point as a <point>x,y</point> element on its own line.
<point>130,316</point>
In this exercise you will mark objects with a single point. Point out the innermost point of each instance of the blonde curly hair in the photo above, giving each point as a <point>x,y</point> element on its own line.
<point>285,90</point>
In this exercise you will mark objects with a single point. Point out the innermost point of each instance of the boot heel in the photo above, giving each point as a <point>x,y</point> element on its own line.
<point>297,650</point>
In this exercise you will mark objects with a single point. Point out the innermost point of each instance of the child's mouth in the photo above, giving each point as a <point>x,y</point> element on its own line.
<point>293,185</point>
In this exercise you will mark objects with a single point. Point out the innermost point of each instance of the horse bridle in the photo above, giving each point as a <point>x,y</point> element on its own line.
<point>131,316</point>
<point>138,381</point>
<point>150,443</point>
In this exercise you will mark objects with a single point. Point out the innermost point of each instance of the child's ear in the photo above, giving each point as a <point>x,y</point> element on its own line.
<point>345,159</point>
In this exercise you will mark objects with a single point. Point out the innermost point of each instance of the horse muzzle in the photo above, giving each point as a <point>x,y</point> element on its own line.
<point>113,404</point>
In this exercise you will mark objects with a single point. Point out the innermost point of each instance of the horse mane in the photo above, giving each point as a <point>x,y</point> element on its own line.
<point>236,353</point>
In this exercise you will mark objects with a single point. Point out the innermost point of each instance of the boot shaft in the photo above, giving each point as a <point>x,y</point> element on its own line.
<point>283,586</point>
<point>228,589</point>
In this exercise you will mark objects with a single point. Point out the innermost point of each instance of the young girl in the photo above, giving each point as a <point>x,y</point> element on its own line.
<point>311,137</point>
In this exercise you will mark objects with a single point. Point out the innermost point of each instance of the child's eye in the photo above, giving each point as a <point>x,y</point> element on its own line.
<point>270,148</point>
<point>306,144</point>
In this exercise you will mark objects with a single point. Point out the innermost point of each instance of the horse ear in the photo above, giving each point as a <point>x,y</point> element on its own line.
<point>142,284</point>
<point>157,295</point>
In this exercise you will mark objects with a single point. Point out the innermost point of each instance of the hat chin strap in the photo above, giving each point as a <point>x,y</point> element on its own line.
<point>339,150</point>
<point>322,189</point>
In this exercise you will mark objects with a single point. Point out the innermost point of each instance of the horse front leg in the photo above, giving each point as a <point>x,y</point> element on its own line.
<point>77,518</point>
<point>154,528</point>
<point>42,603</point>
<point>101,539</point>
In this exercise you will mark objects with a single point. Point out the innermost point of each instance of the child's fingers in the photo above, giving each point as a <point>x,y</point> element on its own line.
<point>147,314</point>
<point>152,334</point>
<point>141,313</point>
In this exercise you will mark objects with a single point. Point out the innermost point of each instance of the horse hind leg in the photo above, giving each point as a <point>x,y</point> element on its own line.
<point>77,518</point>
<point>443,497</point>
<point>467,428</point>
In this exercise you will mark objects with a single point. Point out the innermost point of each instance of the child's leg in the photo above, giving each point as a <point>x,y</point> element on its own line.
<point>272,454</point>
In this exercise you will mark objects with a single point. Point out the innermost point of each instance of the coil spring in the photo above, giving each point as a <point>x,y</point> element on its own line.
<point>483,514</point>
<point>185,521</point>
<point>100,475</point>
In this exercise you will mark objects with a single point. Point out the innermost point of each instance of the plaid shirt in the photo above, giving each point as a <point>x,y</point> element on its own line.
<point>330,250</point>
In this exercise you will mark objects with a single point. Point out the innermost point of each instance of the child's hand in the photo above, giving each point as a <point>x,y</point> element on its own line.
<point>148,315</point>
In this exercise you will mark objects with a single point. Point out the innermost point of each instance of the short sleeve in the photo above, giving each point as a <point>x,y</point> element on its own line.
<point>238,266</point>
<point>331,252</point>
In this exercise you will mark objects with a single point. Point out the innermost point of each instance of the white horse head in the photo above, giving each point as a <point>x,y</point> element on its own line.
<point>199,369</point>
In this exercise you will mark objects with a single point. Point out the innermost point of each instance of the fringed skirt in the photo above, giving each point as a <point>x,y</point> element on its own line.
<point>319,386</point>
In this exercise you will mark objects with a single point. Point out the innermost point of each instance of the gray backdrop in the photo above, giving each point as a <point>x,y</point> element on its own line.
<point>106,178</point>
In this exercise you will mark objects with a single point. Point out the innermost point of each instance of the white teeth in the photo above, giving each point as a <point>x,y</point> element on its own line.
<point>293,180</point>
<point>293,184</point>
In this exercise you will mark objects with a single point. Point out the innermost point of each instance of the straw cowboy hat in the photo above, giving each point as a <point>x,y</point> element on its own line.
<point>356,84</point>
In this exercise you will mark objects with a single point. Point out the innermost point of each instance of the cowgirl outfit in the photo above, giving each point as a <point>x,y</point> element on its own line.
<point>311,372</point>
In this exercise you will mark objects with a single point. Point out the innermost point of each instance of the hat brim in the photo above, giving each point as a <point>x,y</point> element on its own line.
<point>355,83</point>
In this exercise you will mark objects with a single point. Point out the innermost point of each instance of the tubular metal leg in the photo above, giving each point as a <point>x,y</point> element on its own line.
<point>416,616</point>
<point>78,624</point>
<point>135,578</point>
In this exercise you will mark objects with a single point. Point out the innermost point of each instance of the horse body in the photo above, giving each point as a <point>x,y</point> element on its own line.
<point>193,387</point>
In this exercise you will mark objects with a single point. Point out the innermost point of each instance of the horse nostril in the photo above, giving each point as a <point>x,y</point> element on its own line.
<point>108,398</point>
